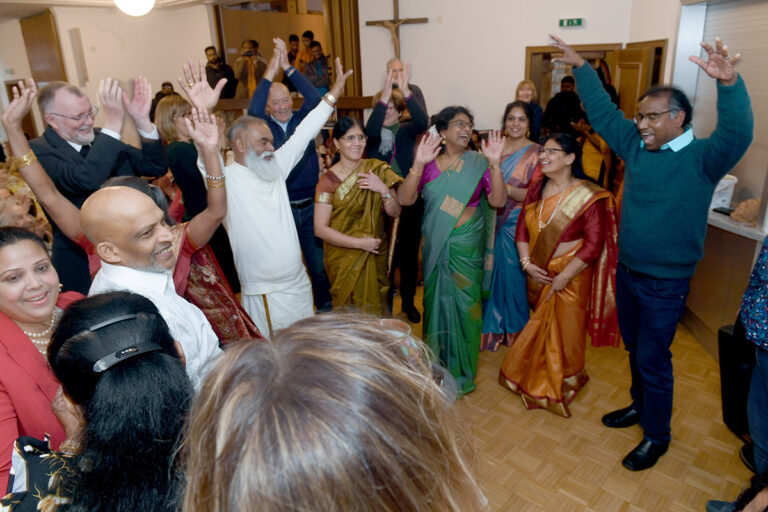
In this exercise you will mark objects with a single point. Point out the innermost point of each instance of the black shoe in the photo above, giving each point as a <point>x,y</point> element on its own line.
<point>747,456</point>
<point>644,455</point>
<point>622,418</point>
<point>412,313</point>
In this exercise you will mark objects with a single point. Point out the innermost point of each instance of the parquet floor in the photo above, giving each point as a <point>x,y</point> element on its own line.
<point>537,461</point>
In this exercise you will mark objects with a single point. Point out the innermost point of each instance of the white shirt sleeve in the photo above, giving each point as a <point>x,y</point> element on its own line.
<point>291,152</point>
<point>113,134</point>
<point>154,135</point>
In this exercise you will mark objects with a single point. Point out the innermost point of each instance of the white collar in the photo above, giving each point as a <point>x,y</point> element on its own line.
<point>134,278</point>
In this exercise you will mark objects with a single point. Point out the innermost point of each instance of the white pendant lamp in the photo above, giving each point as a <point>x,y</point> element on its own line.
<point>135,7</point>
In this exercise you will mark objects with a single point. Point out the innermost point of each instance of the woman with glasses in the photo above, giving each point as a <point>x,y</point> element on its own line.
<point>460,190</point>
<point>392,138</point>
<point>351,200</point>
<point>506,312</point>
<point>566,239</point>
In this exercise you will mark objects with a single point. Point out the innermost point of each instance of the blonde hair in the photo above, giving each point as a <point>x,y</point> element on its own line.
<point>396,98</point>
<point>168,109</point>
<point>534,96</point>
<point>331,415</point>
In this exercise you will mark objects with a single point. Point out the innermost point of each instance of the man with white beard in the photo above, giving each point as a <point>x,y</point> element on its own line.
<point>276,290</point>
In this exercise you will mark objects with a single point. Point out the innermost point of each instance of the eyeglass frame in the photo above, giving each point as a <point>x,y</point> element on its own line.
<point>652,117</point>
<point>550,151</point>
<point>460,122</point>
<point>82,117</point>
<point>360,137</point>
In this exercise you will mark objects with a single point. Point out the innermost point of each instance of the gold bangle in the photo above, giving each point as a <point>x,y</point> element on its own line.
<point>330,97</point>
<point>216,184</point>
<point>415,173</point>
<point>24,161</point>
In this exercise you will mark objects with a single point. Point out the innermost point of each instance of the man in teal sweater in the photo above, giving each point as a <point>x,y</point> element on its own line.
<point>670,178</point>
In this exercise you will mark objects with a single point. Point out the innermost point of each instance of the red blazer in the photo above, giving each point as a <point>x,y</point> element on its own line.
<point>27,388</point>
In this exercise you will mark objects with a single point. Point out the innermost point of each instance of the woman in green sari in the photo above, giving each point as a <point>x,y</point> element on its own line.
<point>461,189</point>
<point>350,202</point>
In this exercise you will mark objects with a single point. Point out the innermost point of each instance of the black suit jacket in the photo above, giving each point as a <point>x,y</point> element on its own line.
<point>77,178</point>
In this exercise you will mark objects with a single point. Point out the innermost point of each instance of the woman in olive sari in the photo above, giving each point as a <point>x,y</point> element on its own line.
<point>506,311</point>
<point>566,238</point>
<point>349,200</point>
<point>460,190</point>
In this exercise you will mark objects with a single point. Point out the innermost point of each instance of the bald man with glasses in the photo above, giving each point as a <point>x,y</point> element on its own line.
<point>79,157</point>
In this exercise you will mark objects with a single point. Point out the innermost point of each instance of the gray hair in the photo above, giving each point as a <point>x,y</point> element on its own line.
<point>47,93</point>
<point>392,61</point>
<point>241,124</point>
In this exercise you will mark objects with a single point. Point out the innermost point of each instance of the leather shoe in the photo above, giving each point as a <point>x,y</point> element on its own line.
<point>412,314</point>
<point>644,455</point>
<point>622,418</point>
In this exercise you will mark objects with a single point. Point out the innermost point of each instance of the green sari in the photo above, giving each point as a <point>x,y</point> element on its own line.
<point>457,264</point>
<point>357,277</point>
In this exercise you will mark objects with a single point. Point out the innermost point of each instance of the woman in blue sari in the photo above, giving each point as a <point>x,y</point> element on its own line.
<point>506,312</point>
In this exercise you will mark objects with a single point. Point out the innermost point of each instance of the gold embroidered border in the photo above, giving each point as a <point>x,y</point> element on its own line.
<point>324,197</point>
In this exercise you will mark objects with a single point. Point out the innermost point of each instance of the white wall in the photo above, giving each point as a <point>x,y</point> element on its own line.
<point>119,46</point>
<point>474,53</point>
<point>13,60</point>
<point>656,19</point>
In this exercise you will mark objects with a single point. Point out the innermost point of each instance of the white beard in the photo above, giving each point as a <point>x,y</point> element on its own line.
<point>265,169</point>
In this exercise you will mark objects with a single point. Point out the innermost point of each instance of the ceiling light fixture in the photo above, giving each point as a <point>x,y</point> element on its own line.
<point>135,7</point>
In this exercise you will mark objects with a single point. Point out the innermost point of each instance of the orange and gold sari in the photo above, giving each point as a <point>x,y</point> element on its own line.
<point>545,365</point>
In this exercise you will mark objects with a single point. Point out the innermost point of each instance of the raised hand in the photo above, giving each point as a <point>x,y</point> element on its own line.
<point>386,91</point>
<point>493,147</point>
<point>428,149</point>
<point>273,65</point>
<point>111,101</point>
<point>402,81</point>
<point>369,181</point>
<point>23,96</point>
<point>570,56</point>
<point>581,126</point>
<point>195,85</point>
<point>140,103</point>
<point>283,56</point>
<point>370,244</point>
<point>203,129</point>
<point>720,64</point>
<point>341,78</point>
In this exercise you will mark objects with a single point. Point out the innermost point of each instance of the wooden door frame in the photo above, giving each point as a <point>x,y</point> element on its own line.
<point>532,50</point>
<point>654,43</point>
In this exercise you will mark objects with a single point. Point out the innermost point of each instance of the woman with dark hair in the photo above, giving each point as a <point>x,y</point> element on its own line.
<point>392,138</point>
<point>566,238</point>
<point>124,397</point>
<point>197,275</point>
<point>349,418</point>
<point>460,190</point>
<point>506,312</point>
<point>351,199</point>
<point>30,308</point>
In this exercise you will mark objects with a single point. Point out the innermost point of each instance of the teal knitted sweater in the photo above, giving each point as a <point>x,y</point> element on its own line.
<point>666,193</point>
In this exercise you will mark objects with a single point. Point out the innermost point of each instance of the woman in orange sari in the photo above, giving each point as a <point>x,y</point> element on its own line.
<point>566,238</point>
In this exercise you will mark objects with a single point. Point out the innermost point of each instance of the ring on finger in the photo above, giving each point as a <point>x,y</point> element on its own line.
<point>190,84</point>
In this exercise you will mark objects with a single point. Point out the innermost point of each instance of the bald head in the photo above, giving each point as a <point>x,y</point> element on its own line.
<point>280,103</point>
<point>127,228</point>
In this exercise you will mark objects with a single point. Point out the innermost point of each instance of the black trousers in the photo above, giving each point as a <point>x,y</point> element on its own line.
<point>406,256</point>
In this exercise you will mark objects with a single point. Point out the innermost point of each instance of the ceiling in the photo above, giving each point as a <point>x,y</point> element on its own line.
<point>20,8</point>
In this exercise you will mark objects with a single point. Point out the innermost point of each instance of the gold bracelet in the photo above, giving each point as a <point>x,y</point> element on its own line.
<point>330,97</point>
<point>416,174</point>
<point>24,161</point>
<point>216,184</point>
<point>388,201</point>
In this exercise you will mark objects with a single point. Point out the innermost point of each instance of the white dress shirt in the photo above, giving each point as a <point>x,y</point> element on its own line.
<point>186,322</point>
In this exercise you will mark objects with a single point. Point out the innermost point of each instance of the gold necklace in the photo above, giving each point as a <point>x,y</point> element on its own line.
<point>542,225</point>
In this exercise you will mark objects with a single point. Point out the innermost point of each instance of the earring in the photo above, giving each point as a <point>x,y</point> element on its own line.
<point>60,286</point>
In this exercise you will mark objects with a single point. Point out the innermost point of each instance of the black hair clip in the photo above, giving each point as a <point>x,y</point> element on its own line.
<point>111,321</point>
<point>112,359</point>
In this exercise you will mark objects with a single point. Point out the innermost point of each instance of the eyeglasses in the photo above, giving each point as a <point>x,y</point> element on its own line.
<point>550,151</point>
<point>82,117</point>
<point>352,138</point>
<point>462,124</point>
<point>651,116</point>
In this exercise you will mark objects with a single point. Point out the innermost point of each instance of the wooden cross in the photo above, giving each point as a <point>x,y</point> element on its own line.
<point>393,25</point>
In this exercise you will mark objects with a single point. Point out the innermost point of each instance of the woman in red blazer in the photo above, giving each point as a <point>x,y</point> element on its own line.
<point>30,307</point>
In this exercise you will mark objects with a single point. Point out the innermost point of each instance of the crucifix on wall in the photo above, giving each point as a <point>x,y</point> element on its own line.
<point>393,25</point>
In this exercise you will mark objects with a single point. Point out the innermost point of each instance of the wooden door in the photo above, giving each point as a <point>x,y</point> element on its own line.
<point>27,124</point>
<point>632,76</point>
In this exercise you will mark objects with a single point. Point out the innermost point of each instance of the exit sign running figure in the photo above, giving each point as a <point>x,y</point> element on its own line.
<point>571,22</point>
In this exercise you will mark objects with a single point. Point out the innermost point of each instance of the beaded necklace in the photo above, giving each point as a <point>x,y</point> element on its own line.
<point>42,338</point>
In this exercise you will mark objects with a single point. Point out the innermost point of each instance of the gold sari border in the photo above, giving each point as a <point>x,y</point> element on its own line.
<point>571,386</point>
<point>452,206</point>
<point>324,198</point>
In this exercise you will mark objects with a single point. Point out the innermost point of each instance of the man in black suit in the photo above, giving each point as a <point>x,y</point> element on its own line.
<point>79,158</point>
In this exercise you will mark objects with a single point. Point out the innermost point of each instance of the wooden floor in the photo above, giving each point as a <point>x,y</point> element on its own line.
<point>535,460</point>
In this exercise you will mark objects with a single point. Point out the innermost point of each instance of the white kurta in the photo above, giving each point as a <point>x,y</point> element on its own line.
<point>263,235</point>
<point>188,325</point>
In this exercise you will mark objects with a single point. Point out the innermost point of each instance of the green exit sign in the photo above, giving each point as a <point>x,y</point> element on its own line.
<point>572,22</point>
